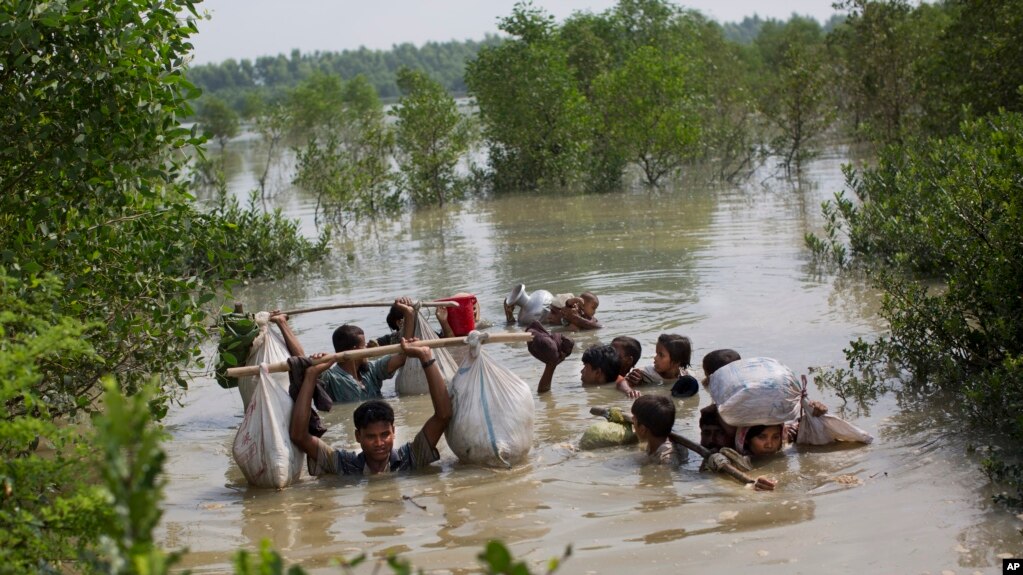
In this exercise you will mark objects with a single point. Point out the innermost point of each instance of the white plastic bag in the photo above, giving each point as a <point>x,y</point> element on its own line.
<point>755,391</point>
<point>262,447</point>
<point>268,347</point>
<point>411,380</point>
<point>827,429</point>
<point>492,419</point>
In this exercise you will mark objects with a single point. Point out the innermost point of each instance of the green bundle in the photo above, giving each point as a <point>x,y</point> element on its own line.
<point>237,331</point>
<point>607,434</point>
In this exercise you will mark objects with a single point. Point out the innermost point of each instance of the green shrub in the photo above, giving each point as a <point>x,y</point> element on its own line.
<point>46,509</point>
<point>939,229</point>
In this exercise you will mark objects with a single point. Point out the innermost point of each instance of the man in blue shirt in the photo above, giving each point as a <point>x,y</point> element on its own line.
<point>357,379</point>
<point>374,426</point>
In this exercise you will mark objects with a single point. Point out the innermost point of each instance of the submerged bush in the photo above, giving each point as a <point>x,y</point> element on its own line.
<point>939,228</point>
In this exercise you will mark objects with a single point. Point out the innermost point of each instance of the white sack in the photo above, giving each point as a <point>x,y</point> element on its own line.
<point>827,429</point>
<point>756,391</point>
<point>268,347</point>
<point>262,447</point>
<point>411,380</point>
<point>492,420</point>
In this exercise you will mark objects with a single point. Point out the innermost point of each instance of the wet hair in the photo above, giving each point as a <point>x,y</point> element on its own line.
<point>394,316</point>
<point>346,337</point>
<point>630,346</point>
<point>373,411</point>
<point>588,295</point>
<point>605,358</point>
<point>656,413</point>
<point>759,429</point>
<point>751,433</point>
<point>717,359</point>
<point>709,418</point>
<point>679,348</point>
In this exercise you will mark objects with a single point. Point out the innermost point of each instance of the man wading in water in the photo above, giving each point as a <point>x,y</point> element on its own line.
<point>374,427</point>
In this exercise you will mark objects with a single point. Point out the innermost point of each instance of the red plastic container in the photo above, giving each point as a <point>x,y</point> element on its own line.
<point>462,318</point>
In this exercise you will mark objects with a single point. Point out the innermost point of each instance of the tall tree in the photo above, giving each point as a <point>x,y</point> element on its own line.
<point>650,112</point>
<point>534,118</point>
<point>976,69</point>
<point>431,138</point>
<point>345,155</point>
<point>218,120</point>
<point>794,88</point>
<point>878,47</point>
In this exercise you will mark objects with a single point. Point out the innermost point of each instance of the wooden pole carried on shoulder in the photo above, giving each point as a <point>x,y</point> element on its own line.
<point>702,451</point>
<point>366,304</point>
<point>385,350</point>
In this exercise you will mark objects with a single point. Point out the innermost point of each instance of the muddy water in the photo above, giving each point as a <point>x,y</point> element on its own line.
<point>723,265</point>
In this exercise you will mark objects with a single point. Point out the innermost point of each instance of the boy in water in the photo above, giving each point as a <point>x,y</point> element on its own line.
<point>579,312</point>
<point>671,358</point>
<point>600,365</point>
<point>629,351</point>
<point>374,427</point>
<point>653,416</point>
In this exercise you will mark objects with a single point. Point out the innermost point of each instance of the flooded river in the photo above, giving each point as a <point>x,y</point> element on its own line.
<point>724,265</point>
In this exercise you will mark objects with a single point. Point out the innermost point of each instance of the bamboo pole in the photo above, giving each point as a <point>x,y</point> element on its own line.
<point>385,350</point>
<point>366,304</point>
<point>702,451</point>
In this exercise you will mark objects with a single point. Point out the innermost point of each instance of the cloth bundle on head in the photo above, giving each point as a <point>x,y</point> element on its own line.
<point>492,411</point>
<point>546,346</point>
<point>262,446</point>
<point>411,380</point>
<point>756,391</point>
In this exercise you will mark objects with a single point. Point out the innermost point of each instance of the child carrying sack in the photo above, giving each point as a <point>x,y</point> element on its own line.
<point>262,447</point>
<point>492,411</point>
<point>756,391</point>
<point>411,380</point>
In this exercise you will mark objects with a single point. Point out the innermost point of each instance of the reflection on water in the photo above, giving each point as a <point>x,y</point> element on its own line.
<point>725,266</point>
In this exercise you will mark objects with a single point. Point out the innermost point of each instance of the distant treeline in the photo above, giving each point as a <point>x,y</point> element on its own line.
<point>269,76</point>
<point>233,80</point>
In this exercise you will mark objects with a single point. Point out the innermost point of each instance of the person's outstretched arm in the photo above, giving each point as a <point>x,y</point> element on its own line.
<point>409,328</point>
<point>435,426</point>
<point>548,376</point>
<point>301,410</point>
<point>294,346</point>
<point>409,324</point>
<point>445,325</point>
<point>623,386</point>
<point>509,312</point>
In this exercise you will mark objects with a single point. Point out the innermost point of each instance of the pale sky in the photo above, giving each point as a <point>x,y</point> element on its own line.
<point>252,28</point>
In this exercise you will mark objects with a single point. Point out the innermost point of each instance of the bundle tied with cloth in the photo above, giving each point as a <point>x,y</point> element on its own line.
<point>762,391</point>
<point>237,332</point>
<point>615,431</point>
<point>411,379</point>
<point>492,410</point>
